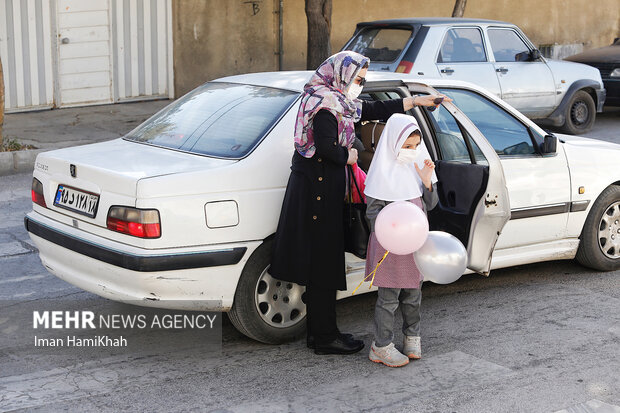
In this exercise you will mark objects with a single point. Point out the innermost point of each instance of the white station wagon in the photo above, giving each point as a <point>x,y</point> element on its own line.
<point>181,211</point>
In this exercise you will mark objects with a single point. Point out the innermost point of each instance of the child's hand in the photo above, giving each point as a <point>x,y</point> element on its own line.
<point>426,173</point>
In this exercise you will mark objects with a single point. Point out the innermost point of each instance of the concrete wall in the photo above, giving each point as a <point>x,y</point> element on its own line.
<point>593,23</point>
<point>214,38</point>
<point>218,38</point>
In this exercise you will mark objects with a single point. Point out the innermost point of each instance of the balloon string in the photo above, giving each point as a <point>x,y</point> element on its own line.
<point>373,273</point>
<point>375,270</point>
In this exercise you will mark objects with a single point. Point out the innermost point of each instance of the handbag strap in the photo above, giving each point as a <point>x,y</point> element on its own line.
<point>372,136</point>
<point>348,188</point>
<point>352,177</point>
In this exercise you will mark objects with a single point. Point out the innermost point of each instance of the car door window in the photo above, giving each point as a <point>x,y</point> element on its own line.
<point>506,44</point>
<point>508,136</point>
<point>453,140</point>
<point>462,45</point>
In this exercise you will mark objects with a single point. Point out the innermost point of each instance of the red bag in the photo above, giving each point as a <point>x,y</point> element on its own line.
<point>356,231</point>
<point>360,179</point>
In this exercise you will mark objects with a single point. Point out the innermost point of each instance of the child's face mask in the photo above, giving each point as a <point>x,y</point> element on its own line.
<point>406,156</point>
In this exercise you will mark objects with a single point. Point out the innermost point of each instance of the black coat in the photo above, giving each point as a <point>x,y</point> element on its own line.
<point>309,244</point>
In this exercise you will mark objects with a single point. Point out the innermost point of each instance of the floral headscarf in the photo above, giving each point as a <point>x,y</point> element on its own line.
<point>325,90</point>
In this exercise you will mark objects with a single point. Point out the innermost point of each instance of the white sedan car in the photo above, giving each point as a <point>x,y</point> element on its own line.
<point>181,211</point>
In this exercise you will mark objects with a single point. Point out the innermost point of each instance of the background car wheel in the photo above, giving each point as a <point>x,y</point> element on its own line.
<point>580,114</point>
<point>264,308</point>
<point>600,238</point>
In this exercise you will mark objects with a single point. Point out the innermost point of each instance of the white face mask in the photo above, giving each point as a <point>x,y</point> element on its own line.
<point>406,156</point>
<point>354,91</point>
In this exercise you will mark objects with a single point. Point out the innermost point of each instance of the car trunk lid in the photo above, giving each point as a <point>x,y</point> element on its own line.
<point>110,171</point>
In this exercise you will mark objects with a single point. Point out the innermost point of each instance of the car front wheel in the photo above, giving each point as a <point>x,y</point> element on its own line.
<point>599,247</point>
<point>579,114</point>
<point>264,308</point>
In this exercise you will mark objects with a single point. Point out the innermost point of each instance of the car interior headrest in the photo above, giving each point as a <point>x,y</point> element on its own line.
<point>371,132</point>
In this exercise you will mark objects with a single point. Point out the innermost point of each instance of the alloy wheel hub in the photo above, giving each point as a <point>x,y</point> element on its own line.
<point>279,303</point>
<point>609,231</point>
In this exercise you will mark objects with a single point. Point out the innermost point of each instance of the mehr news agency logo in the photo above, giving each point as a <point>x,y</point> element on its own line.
<point>58,320</point>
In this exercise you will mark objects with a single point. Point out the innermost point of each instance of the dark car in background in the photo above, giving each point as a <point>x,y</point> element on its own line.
<point>607,61</point>
<point>493,54</point>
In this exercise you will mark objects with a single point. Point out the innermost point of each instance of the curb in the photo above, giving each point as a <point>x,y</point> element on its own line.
<point>15,162</point>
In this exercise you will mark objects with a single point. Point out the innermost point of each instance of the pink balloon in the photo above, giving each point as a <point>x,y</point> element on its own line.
<point>401,227</point>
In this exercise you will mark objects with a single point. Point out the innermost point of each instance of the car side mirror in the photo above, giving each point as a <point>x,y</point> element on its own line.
<point>522,57</point>
<point>550,144</point>
<point>527,56</point>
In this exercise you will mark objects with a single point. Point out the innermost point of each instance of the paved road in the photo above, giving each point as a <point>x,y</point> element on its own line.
<point>535,338</point>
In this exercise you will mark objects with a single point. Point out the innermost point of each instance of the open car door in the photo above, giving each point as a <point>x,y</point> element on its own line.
<point>473,202</point>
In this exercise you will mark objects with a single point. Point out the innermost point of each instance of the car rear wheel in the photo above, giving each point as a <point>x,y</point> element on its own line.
<point>264,308</point>
<point>600,238</point>
<point>580,114</point>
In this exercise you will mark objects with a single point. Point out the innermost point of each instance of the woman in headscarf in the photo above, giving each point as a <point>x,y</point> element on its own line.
<point>309,244</point>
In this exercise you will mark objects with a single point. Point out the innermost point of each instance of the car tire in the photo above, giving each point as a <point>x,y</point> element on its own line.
<point>599,247</point>
<point>579,114</point>
<point>264,308</point>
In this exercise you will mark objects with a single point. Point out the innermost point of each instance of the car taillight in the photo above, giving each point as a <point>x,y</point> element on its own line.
<point>37,193</point>
<point>143,223</point>
<point>404,67</point>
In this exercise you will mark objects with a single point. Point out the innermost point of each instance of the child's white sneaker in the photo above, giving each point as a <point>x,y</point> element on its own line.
<point>412,347</point>
<point>387,355</point>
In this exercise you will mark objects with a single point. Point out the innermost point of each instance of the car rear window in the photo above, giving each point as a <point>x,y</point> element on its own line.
<point>225,120</point>
<point>380,44</point>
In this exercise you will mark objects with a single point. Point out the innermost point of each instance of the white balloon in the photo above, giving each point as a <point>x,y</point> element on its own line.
<point>442,259</point>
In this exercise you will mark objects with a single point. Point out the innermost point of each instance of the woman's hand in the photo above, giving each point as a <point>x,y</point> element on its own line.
<point>426,173</point>
<point>352,156</point>
<point>423,100</point>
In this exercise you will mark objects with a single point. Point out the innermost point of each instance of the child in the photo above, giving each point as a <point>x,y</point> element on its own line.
<point>395,176</point>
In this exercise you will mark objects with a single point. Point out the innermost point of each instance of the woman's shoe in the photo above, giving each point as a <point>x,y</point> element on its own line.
<point>339,346</point>
<point>387,355</point>
<point>310,339</point>
<point>412,347</point>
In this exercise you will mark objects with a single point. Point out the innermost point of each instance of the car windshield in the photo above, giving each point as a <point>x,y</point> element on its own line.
<point>380,45</point>
<point>225,120</point>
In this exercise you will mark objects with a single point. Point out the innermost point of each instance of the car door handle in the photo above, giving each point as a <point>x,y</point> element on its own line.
<point>501,70</point>
<point>447,70</point>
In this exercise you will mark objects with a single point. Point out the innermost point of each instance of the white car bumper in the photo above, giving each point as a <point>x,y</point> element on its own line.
<point>190,278</point>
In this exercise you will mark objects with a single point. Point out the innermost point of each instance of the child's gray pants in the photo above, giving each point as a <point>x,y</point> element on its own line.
<point>388,300</point>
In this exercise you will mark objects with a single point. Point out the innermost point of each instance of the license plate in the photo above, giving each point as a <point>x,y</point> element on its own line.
<point>76,200</point>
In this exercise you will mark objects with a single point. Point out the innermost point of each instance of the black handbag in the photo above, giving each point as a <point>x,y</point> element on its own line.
<point>356,230</point>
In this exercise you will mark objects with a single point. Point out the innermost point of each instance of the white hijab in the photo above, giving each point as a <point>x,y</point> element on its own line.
<point>388,179</point>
